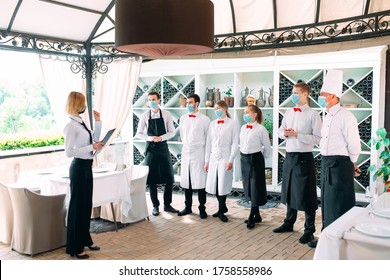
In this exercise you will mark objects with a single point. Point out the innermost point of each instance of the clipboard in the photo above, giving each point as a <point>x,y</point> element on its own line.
<point>105,140</point>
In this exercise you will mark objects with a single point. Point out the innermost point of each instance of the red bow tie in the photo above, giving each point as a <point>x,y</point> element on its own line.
<point>297,110</point>
<point>192,116</point>
<point>220,121</point>
<point>249,126</point>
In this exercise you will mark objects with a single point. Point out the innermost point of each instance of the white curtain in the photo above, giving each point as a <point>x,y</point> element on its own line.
<point>114,92</point>
<point>59,81</point>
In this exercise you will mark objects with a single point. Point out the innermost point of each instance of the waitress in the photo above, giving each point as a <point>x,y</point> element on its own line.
<point>156,127</point>
<point>221,149</point>
<point>79,144</point>
<point>254,147</point>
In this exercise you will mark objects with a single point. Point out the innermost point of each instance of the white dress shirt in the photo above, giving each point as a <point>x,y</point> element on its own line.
<point>307,124</point>
<point>142,130</point>
<point>340,134</point>
<point>77,139</point>
<point>255,140</point>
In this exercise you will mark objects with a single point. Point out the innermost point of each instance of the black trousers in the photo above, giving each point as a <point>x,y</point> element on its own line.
<point>167,194</point>
<point>201,197</point>
<point>80,206</point>
<point>310,217</point>
<point>221,201</point>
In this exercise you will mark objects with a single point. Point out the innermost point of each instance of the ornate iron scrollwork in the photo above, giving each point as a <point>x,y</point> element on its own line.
<point>98,64</point>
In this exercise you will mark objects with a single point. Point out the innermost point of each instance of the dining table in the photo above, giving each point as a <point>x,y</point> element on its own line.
<point>362,233</point>
<point>109,186</point>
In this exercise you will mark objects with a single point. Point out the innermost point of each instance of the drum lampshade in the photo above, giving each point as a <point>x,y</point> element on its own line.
<point>158,28</point>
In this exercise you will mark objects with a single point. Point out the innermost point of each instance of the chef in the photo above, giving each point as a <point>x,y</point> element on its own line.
<point>221,149</point>
<point>156,127</point>
<point>340,149</point>
<point>301,128</point>
<point>193,132</point>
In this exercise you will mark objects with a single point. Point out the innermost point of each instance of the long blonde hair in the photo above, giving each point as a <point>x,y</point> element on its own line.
<point>75,103</point>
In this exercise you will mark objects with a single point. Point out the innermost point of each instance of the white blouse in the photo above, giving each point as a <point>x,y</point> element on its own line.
<point>255,140</point>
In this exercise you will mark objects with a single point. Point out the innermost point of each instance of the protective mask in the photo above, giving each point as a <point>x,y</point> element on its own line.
<point>295,98</point>
<point>153,104</point>
<point>322,101</point>
<point>218,113</point>
<point>83,110</point>
<point>247,118</point>
<point>190,108</point>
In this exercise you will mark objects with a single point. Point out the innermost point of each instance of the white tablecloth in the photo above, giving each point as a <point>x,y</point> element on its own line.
<point>342,241</point>
<point>108,187</point>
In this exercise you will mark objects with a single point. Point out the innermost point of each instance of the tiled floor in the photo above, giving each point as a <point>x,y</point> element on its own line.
<point>169,237</point>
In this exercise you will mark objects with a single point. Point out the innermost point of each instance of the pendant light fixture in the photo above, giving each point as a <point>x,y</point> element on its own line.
<point>159,28</point>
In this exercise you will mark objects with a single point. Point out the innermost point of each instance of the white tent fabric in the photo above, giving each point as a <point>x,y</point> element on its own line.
<point>81,21</point>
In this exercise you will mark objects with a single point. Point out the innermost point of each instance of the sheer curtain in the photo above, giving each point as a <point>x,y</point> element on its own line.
<point>59,81</point>
<point>114,92</point>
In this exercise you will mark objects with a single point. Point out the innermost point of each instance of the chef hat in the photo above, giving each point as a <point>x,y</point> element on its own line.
<point>333,82</point>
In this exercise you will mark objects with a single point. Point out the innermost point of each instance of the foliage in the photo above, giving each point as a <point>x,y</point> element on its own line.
<point>381,143</point>
<point>30,142</point>
<point>229,92</point>
<point>268,124</point>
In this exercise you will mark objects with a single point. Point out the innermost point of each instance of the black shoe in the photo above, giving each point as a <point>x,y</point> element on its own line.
<point>312,244</point>
<point>223,218</point>
<point>184,212</point>
<point>216,214</point>
<point>306,238</point>
<point>250,223</point>
<point>257,219</point>
<point>283,228</point>
<point>94,248</point>
<point>79,256</point>
<point>203,214</point>
<point>155,211</point>
<point>169,208</point>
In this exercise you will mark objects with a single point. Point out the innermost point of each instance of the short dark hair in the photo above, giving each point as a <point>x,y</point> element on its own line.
<point>155,93</point>
<point>195,97</point>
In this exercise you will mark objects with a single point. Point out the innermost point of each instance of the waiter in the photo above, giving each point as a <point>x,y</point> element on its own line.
<point>340,149</point>
<point>156,127</point>
<point>301,128</point>
<point>193,132</point>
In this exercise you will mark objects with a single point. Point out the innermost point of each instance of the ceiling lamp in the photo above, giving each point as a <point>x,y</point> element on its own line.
<point>158,28</point>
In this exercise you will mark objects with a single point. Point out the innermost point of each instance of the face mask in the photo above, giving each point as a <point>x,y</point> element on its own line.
<point>295,98</point>
<point>218,113</point>
<point>83,110</point>
<point>247,118</point>
<point>190,108</point>
<point>153,104</point>
<point>322,101</point>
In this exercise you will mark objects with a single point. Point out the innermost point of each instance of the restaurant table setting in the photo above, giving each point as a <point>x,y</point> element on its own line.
<point>361,233</point>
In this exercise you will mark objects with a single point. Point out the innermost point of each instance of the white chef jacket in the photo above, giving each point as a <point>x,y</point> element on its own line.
<point>193,133</point>
<point>221,148</point>
<point>340,134</point>
<point>255,140</point>
<point>307,124</point>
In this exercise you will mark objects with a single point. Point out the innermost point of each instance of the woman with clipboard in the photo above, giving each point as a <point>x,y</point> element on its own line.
<point>79,144</point>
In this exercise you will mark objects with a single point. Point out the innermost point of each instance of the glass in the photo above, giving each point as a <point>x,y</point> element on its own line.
<point>371,196</point>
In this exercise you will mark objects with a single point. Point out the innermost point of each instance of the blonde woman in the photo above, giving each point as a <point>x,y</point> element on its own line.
<point>221,149</point>
<point>79,144</point>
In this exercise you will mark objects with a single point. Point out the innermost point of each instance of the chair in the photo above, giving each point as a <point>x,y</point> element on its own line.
<point>6,215</point>
<point>39,221</point>
<point>139,209</point>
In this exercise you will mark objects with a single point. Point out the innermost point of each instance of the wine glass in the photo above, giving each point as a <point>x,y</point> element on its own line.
<point>371,196</point>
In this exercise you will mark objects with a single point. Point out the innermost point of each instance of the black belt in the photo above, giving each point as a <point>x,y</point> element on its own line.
<point>248,155</point>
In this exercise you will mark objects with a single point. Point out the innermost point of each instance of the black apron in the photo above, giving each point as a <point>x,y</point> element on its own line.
<point>337,187</point>
<point>253,178</point>
<point>299,182</point>
<point>157,155</point>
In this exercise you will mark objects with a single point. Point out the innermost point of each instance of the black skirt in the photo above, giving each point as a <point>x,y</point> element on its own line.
<point>253,178</point>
